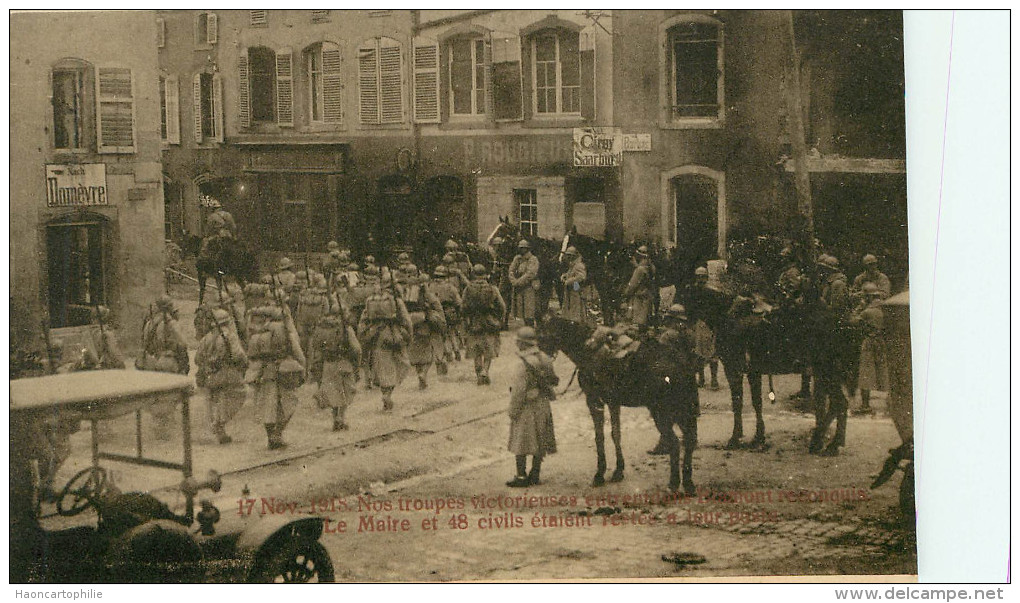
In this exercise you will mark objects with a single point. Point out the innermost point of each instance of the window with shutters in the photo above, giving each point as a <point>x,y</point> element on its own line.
<point>258,18</point>
<point>169,110</point>
<point>380,82</point>
<point>692,68</point>
<point>208,107</point>
<point>320,16</point>
<point>467,68</point>
<point>116,110</point>
<point>262,83</point>
<point>556,73</point>
<point>206,29</point>
<point>324,83</point>
<point>73,106</point>
<point>160,32</point>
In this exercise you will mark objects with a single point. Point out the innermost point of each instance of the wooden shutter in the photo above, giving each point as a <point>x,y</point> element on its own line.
<point>391,82</point>
<point>507,84</point>
<point>196,97</point>
<point>426,81</point>
<point>217,107</point>
<point>487,82</point>
<point>285,87</point>
<point>259,17</point>
<point>587,52</point>
<point>115,110</point>
<point>173,110</point>
<point>368,83</point>
<point>212,29</point>
<point>243,91</point>
<point>160,32</point>
<point>332,84</point>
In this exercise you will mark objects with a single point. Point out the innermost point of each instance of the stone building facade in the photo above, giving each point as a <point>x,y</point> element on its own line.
<point>86,182</point>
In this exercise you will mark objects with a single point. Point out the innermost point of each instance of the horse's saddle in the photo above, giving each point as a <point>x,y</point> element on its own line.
<point>612,344</point>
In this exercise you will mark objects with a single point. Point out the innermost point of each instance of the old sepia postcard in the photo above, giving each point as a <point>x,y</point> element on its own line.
<point>459,295</point>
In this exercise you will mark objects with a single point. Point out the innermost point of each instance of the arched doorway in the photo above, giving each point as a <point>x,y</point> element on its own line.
<point>77,266</point>
<point>694,215</point>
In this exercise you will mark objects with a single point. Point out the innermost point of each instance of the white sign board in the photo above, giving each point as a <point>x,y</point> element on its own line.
<point>637,142</point>
<point>76,184</point>
<point>598,147</point>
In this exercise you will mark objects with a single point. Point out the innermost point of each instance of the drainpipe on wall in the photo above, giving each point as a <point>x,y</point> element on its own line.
<point>801,175</point>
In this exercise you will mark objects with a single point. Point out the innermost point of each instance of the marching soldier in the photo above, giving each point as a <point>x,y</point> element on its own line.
<point>834,291</point>
<point>461,261</point>
<point>385,331</point>
<point>446,291</point>
<point>873,372</point>
<point>428,325</point>
<point>483,310</point>
<point>462,278</point>
<point>286,283</point>
<point>640,291</point>
<point>313,304</point>
<point>574,281</point>
<point>99,350</point>
<point>221,361</point>
<point>531,422</point>
<point>163,347</point>
<point>524,280</point>
<point>275,370</point>
<point>334,355</point>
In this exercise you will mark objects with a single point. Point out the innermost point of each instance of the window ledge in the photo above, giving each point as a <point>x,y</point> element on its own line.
<point>71,152</point>
<point>475,122</point>
<point>204,47</point>
<point>565,120</point>
<point>400,126</point>
<point>693,123</point>
<point>323,127</point>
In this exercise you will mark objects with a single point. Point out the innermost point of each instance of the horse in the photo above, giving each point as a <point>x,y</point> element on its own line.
<point>654,376</point>
<point>222,257</point>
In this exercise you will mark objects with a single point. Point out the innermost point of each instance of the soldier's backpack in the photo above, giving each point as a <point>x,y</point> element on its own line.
<point>380,307</point>
<point>312,306</point>
<point>158,345</point>
<point>480,307</point>
<point>331,337</point>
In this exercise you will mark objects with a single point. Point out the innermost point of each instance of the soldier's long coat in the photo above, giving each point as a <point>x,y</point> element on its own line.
<point>524,279</point>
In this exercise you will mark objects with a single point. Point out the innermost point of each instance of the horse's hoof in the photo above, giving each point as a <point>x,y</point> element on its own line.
<point>674,486</point>
<point>758,442</point>
<point>689,489</point>
<point>597,481</point>
<point>658,450</point>
<point>733,444</point>
<point>616,477</point>
<point>830,450</point>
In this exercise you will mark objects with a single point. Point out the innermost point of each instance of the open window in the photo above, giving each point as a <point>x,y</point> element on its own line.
<point>692,70</point>
<point>207,92</point>
<point>76,259</point>
<point>323,62</point>
<point>73,90</point>
<point>266,86</point>
<point>559,63</point>
<point>169,110</point>
<point>467,61</point>
<point>206,29</point>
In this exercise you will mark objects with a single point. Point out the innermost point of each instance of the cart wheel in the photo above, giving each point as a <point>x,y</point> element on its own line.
<point>81,491</point>
<point>297,560</point>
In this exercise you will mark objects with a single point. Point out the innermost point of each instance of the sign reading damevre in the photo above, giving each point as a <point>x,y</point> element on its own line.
<point>76,184</point>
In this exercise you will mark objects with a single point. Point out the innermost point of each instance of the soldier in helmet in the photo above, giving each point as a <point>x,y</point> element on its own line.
<point>385,331</point>
<point>220,221</point>
<point>334,355</point>
<point>428,323</point>
<point>462,278</point>
<point>285,281</point>
<point>483,309</point>
<point>640,291</point>
<point>276,365</point>
<point>221,361</point>
<point>531,422</point>
<point>574,281</point>
<point>449,296</point>
<point>870,317</point>
<point>461,261</point>
<point>873,275</point>
<point>524,280</point>
<point>835,294</point>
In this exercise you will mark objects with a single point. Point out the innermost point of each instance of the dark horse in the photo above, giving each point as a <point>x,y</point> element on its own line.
<point>654,376</point>
<point>225,258</point>
<point>783,341</point>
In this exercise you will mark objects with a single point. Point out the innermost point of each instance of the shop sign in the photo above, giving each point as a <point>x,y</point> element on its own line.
<point>78,184</point>
<point>598,147</point>
<point>637,143</point>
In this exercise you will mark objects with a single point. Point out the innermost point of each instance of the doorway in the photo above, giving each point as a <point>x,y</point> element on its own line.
<point>76,266</point>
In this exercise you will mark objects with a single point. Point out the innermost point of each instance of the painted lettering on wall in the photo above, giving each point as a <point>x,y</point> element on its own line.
<point>516,151</point>
<point>76,184</point>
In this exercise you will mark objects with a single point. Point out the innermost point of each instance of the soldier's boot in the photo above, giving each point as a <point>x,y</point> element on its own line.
<point>387,399</point>
<point>441,368</point>
<point>701,377</point>
<point>276,437</point>
<point>536,470</point>
<point>865,408</point>
<point>423,382</point>
<point>485,371</point>
<point>456,355</point>
<point>520,480</point>
<point>479,371</point>
<point>713,367</point>
<point>338,420</point>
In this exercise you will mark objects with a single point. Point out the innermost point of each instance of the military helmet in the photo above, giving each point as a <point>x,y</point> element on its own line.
<point>333,246</point>
<point>571,252</point>
<point>214,204</point>
<point>642,251</point>
<point>221,316</point>
<point>450,244</point>
<point>832,261</point>
<point>479,270</point>
<point>870,259</point>
<point>701,271</point>
<point>870,289</point>
<point>404,257</point>
<point>372,269</point>
<point>369,259</point>
<point>496,241</point>
<point>440,271</point>
<point>523,244</point>
<point>284,263</point>
<point>448,258</point>
<point>165,304</point>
